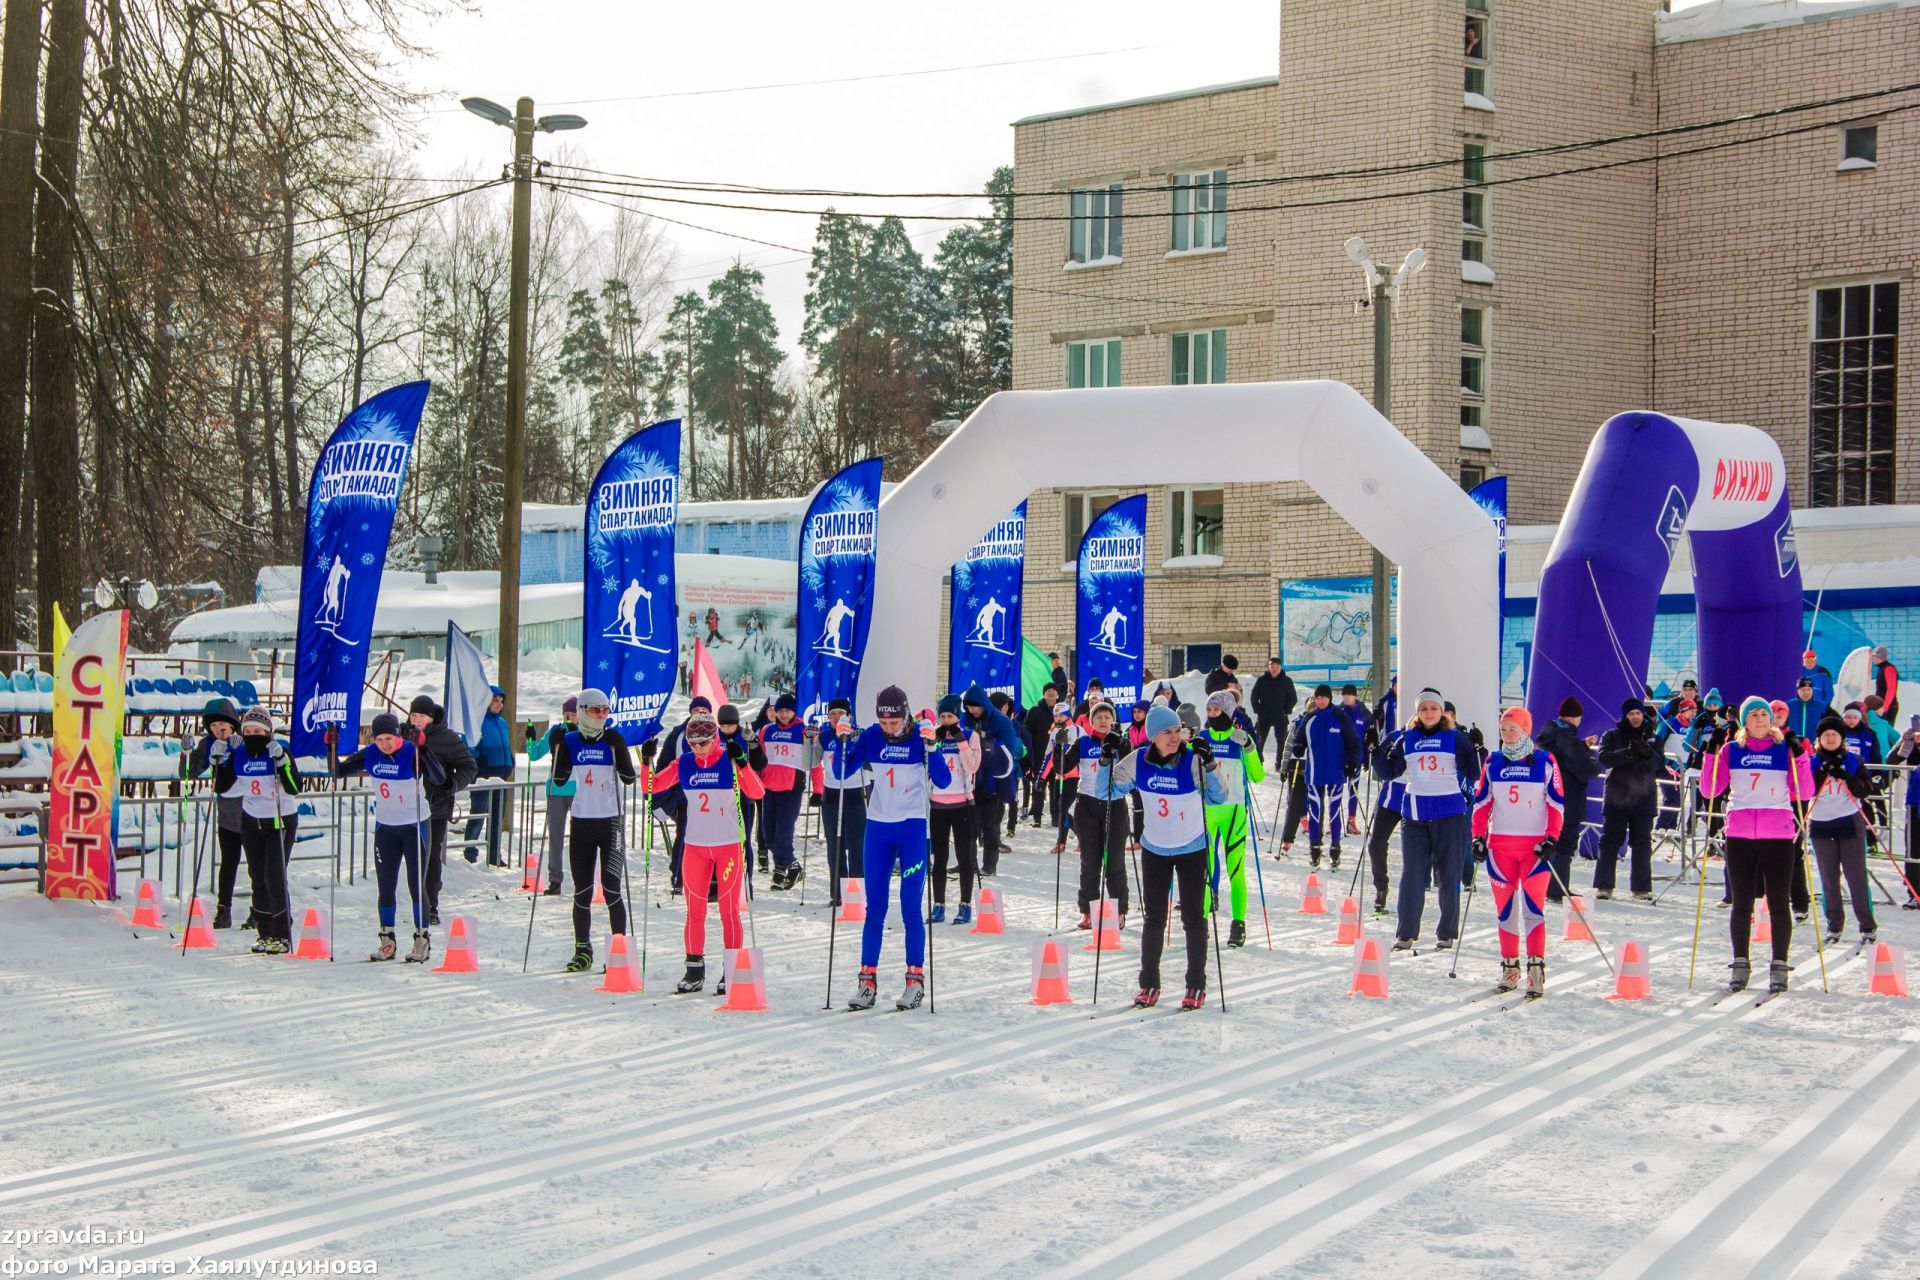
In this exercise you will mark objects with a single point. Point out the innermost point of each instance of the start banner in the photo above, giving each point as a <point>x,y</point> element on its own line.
<point>89,702</point>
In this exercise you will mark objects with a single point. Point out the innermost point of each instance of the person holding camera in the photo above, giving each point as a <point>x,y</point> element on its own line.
<point>1628,802</point>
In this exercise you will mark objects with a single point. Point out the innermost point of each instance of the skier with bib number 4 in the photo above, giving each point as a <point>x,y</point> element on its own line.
<point>1517,811</point>
<point>901,763</point>
<point>1176,782</point>
<point>398,765</point>
<point>596,757</point>
<point>712,778</point>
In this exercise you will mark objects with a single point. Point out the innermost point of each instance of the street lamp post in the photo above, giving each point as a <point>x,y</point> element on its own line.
<point>1383,295</point>
<point>514,455</point>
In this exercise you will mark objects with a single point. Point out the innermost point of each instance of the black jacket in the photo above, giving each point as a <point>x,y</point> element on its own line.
<point>224,769</point>
<point>1036,725</point>
<point>1633,763</point>
<point>622,759</point>
<point>1571,755</point>
<point>456,763</point>
<point>1273,698</point>
<point>1060,681</point>
<point>1218,678</point>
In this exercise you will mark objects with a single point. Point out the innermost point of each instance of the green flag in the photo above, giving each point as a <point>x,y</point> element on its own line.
<point>1035,672</point>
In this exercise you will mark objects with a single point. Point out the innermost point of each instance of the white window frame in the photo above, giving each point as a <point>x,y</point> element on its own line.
<point>1081,221</point>
<point>1850,162</point>
<point>1477,78</point>
<point>1080,500</point>
<point>1180,531</point>
<point>1473,400</point>
<point>1110,353</point>
<point>1202,224</point>
<point>1215,341</point>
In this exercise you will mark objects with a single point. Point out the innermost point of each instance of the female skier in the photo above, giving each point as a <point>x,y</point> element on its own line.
<point>1100,815</point>
<point>1838,825</point>
<point>712,778</point>
<point>1763,780</point>
<point>1439,762</point>
<point>952,812</point>
<point>902,763</point>
<point>1517,811</point>
<point>598,755</point>
<point>1233,747</point>
<point>397,766</point>
<point>259,772</point>
<point>1176,781</point>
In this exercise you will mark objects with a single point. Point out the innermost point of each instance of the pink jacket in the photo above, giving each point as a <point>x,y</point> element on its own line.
<point>1771,817</point>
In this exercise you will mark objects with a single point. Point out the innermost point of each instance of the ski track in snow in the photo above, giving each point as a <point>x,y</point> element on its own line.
<point>236,1107</point>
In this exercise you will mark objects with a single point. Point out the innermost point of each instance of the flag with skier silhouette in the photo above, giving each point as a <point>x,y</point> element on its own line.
<point>1110,595</point>
<point>983,642</point>
<point>629,642</point>
<point>350,505</point>
<point>837,550</point>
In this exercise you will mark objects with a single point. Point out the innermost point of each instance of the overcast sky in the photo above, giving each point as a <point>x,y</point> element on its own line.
<point>642,75</point>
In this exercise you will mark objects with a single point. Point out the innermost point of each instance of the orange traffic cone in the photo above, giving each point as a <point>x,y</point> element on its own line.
<point>1349,923</point>
<point>599,889</point>
<point>463,955</point>
<point>990,914</point>
<point>1311,901</point>
<point>746,981</point>
<point>198,934</point>
<point>1579,926</point>
<point>1889,970</point>
<point>530,878</point>
<point>1050,972</point>
<point>1369,969</point>
<point>1762,922</point>
<point>1630,975</point>
<point>623,967</point>
<point>1106,926</point>
<point>313,937</point>
<point>853,900</point>
<point>147,913</point>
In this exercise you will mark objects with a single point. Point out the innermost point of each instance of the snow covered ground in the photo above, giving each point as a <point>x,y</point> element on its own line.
<point>236,1108</point>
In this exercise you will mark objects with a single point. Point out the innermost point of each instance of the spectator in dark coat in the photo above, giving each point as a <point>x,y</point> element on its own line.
<point>1573,756</point>
<point>1629,800</point>
<point>1037,724</point>
<point>1273,698</point>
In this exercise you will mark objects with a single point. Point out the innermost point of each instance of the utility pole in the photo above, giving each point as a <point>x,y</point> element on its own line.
<point>513,461</point>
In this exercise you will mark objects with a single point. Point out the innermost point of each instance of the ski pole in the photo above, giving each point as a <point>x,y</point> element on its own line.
<point>1213,927</point>
<point>646,844</point>
<point>1260,876</point>
<point>746,870</point>
<point>1056,891</point>
<point>193,890</point>
<point>1555,873</point>
<point>1803,838</point>
<point>533,904</point>
<point>1366,849</point>
<point>836,858</point>
<point>1461,936</point>
<point>1700,904</point>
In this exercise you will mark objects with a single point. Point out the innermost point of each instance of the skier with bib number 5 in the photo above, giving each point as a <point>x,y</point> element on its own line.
<point>596,757</point>
<point>900,763</point>
<point>398,765</point>
<point>1517,812</point>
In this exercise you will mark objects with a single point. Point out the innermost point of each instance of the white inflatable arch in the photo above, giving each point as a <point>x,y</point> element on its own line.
<point>1322,433</point>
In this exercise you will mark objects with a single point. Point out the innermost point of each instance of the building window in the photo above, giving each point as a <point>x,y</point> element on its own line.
<point>1196,519</point>
<point>1860,146</point>
<point>1473,200</point>
<point>1478,54</point>
<point>1200,210</point>
<point>1856,331</point>
<point>1472,476</point>
<point>1473,379</point>
<point>1199,357</point>
<point>1094,234</point>
<point>1077,512</point>
<point>1093,364</point>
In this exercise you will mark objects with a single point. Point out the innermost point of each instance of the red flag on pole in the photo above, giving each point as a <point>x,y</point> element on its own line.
<point>706,680</point>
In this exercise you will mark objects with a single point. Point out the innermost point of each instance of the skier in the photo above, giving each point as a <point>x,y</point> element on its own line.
<point>712,778</point>
<point>1325,740</point>
<point>1436,758</point>
<point>783,745</point>
<point>1389,806</point>
<point>397,766</point>
<point>843,802</point>
<point>1177,781</point>
<point>600,756</point>
<point>256,770</point>
<point>1763,780</point>
<point>1837,823</point>
<point>669,806</point>
<point>1516,819</point>
<point>1100,814</point>
<point>1137,738</point>
<point>1356,711</point>
<point>1239,759</point>
<point>559,798</point>
<point>903,763</point>
<point>951,817</point>
<point>1060,774</point>
<point>996,790</point>
<point>458,768</point>
<point>1573,757</point>
<point>728,718</point>
<point>219,722</point>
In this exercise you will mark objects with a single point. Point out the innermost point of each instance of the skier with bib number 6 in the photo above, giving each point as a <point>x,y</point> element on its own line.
<point>398,767</point>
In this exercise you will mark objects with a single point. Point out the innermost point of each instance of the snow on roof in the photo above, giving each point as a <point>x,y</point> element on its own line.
<point>1733,17</point>
<point>1258,82</point>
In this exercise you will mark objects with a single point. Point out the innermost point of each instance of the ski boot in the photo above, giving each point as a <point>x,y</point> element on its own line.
<point>939,914</point>
<point>1086,921</point>
<point>1313,857</point>
<point>250,923</point>
<point>582,959</point>
<point>1833,937</point>
<point>1509,975</point>
<point>1741,971</point>
<point>1603,895</point>
<point>1868,939</point>
<point>1403,944</point>
<point>765,860</point>
<point>1911,904</point>
<point>433,918</point>
<point>1380,903</point>
<point>551,891</point>
<point>964,915</point>
<point>1286,847</point>
<point>795,874</point>
<point>223,917</point>
<point>1536,976</point>
<point>1333,858</point>
<point>270,947</point>
<point>422,947</point>
<point>1777,977</point>
<point>1195,997</point>
<point>1060,846</point>
<point>1799,917</point>
<point>916,989</point>
<point>1237,934</point>
<point>385,950</point>
<point>1642,897</point>
<point>866,991</point>
<point>696,976</point>
<point>1148,997</point>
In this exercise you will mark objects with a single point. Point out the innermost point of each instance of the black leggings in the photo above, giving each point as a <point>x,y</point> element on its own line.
<point>232,854</point>
<point>1749,863</point>
<point>594,841</point>
<point>1384,821</point>
<point>267,869</point>
<point>1157,875</point>
<point>952,824</point>
<point>1101,827</point>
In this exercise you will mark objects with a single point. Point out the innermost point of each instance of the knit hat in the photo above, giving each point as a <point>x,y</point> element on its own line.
<point>1061,711</point>
<point>1520,716</point>
<point>1189,717</point>
<point>699,702</point>
<point>728,714</point>
<point>1753,704</point>
<point>1159,720</point>
<point>423,705</point>
<point>1713,698</point>
<point>570,706</point>
<point>256,718</point>
<point>1429,694</point>
<point>786,702</point>
<point>1100,705</point>
<point>1632,705</point>
<point>892,701</point>
<point>1833,722</point>
<point>949,705</point>
<point>592,698</point>
<point>386,722</point>
<point>218,710</point>
<point>1805,682</point>
<point>1570,706</point>
<point>1811,654</point>
<point>1220,703</point>
<point>839,704</point>
<point>701,729</point>
<point>1142,705</point>
<point>1323,691</point>
<point>1778,709</point>
<point>1349,689</point>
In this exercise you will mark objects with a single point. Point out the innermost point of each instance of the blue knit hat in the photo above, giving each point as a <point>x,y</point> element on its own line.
<point>1160,719</point>
<point>1753,704</point>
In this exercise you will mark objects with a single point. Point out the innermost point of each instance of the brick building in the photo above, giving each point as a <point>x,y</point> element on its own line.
<point>1752,271</point>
